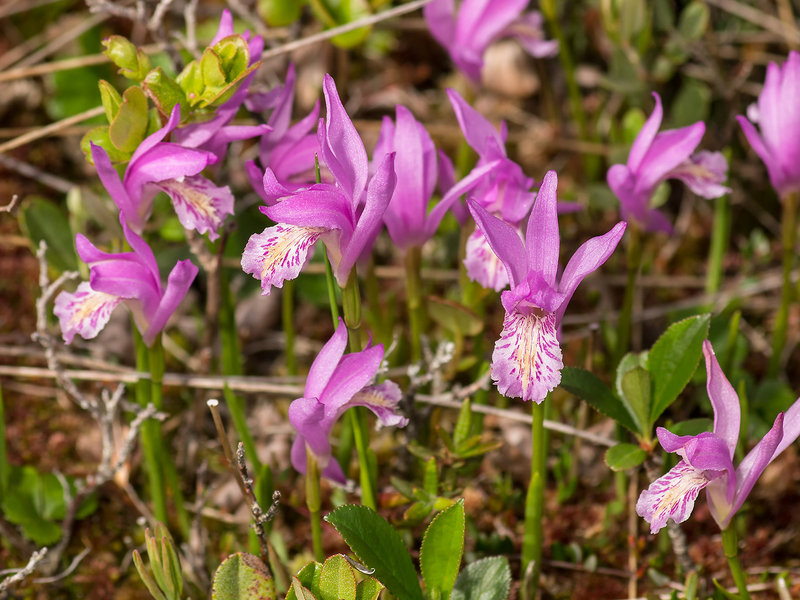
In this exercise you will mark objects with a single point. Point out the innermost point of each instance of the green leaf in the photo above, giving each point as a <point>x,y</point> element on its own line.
<point>308,577</point>
<point>454,317</point>
<point>110,98</point>
<point>379,546</point>
<point>431,477</point>
<point>211,68</point>
<point>485,579</point>
<point>624,456</point>
<point>242,576</point>
<point>99,136</point>
<point>43,220</point>
<point>589,388</point>
<point>129,127</point>
<point>673,359</point>
<point>299,591</point>
<point>636,394</point>
<point>280,13</point>
<point>368,589</point>
<point>442,547</point>
<point>165,92</point>
<point>463,424</point>
<point>132,62</point>
<point>337,580</point>
<point>694,20</point>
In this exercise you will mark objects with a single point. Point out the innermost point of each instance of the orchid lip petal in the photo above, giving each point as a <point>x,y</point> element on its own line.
<point>526,362</point>
<point>671,496</point>
<point>279,253</point>
<point>199,204</point>
<point>85,312</point>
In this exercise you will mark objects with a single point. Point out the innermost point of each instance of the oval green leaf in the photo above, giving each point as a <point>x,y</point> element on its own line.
<point>442,547</point>
<point>624,456</point>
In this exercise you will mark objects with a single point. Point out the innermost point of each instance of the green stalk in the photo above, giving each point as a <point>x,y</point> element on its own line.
<point>351,306</point>
<point>314,503</point>
<point>150,434</point>
<point>155,361</point>
<point>730,545</point>
<point>633,255</point>
<point>788,239</point>
<point>719,244</point>
<point>534,500</point>
<point>4,469</point>
<point>416,315</point>
<point>548,7</point>
<point>287,320</point>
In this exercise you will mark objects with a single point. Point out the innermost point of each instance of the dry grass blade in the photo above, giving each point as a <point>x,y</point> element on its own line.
<point>48,129</point>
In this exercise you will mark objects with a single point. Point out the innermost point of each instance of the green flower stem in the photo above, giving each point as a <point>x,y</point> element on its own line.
<point>720,235</point>
<point>416,315</point>
<point>351,307</point>
<point>155,361</point>
<point>334,304</point>
<point>730,545</point>
<point>314,503</point>
<point>150,435</point>
<point>534,500</point>
<point>788,240</point>
<point>633,255</point>
<point>287,320</point>
<point>549,10</point>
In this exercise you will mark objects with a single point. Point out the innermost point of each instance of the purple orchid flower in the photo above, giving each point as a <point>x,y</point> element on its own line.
<point>481,22</point>
<point>707,459</point>
<point>778,143</point>
<point>656,157</point>
<point>288,150</point>
<point>347,215</point>
<point>505,193</point>
<point>336,382</point>
<point>216,134</point>
<point>127,277</point>
<point>416,165</point>
<point>159,166</point>
<point>526,361</point>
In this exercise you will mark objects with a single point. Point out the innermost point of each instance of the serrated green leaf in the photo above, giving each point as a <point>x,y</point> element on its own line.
<point>624,456</point>
<point>485,579</point>
<point>337,580</point>
<point>589,388</point>
<point>242,576</point>
<point>99,136</point>
<point>441,551</point>
<point>368,589</point>
<point>299,591</point>
<point>379,546</point>
<point>129,127</point>
<point>673,359</point>
<point>43,220</point>
<point>211,69</point>
<point>308,577</point>
<point>636,394</point>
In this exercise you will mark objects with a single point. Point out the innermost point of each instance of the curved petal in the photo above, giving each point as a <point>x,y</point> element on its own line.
<point>279,253</point>
<point>504,240</point>
<point>379,193</point>
<point>178,283</point>
<point>587,259</point>
<point>225,27</point>
<point>791,428</point>
<point>111,181</point>
<point>354,372</point>
<point>155,138</point>
<point>724,400</point>
<point>326,362</point>
<point>307,416</point>
<point>646,136</point>
<point>671,496</point>
<point>542,240</point>
<point>668,150</point>
<point>476,129</point>
<point>342,150</point>
<point>126,279</point>
<point>321,205</point>
<point>526,362</point>
<point>440,17</point>
<point>165,161</point>
<point>85,312</point>
<point>704,173</point>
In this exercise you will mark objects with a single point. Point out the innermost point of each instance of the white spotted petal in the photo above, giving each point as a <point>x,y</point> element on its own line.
<point>526,362</point>
<point>279,253</point>
<point>671,496</point>
<point>482,264</point>
<point>199,204</point>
